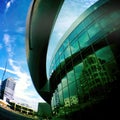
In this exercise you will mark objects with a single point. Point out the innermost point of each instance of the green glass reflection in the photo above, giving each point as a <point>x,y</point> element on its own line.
<point>74,47</point>
<point>64,82</point>
<point>57,63</point>
<point>61,98</point>
<point>83,39</point>
<point>56,56</point>
<point>73,89</point>
<point>59,87</point>
<point>93,30</point>
<point>108,63</point>
<point>65,92</point>
<point>65,43</point>
<point>78,70</point>
<point>71,76</point>
<point>61,50</point>
<point>62,62</point>
<point>106,23</point>
<point>105,54</point>
<point>67,52</point>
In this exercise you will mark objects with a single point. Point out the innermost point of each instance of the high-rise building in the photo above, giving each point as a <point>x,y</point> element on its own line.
<point>7,89</point>
<point>84,73</point>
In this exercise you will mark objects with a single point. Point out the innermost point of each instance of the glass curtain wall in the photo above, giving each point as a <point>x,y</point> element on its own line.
<point>87,63</point>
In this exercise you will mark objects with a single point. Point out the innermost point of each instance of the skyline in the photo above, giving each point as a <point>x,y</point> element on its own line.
<point>13,15</point>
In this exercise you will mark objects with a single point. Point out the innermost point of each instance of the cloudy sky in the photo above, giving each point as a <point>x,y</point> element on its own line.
<point>13,15</point>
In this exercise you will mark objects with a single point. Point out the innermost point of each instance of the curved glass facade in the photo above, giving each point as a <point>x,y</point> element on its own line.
<point>85,68</point>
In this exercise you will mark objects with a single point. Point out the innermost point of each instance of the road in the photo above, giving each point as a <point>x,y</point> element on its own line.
<point>8,115</point>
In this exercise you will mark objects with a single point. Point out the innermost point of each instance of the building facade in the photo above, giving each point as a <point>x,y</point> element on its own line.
<point>7,89</point>
<point>21,109</point>
<point>44,111</point>
<point>85,69</point>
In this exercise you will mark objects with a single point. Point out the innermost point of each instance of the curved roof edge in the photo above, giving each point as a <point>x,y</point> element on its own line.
<point>40,21</point>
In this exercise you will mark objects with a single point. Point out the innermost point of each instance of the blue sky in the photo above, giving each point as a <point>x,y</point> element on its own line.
<point>13,15</point>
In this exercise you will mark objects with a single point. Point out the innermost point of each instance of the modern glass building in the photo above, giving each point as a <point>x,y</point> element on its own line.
<point>84,73</point>
<point>7,89</point>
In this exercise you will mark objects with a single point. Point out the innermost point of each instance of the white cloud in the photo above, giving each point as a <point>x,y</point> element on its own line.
<point>21,29</point>
<point>23,83</point>
<point>24,90</point>
<point>8,40</point>
<point>7,70</point>
<point>8,5</point>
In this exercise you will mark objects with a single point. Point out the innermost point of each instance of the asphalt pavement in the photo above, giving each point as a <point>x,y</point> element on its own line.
<point>8,115</point>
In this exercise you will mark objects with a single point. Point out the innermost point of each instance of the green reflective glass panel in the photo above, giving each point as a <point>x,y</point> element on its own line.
<point>105,54</point>
<point>67,52</point>
<point>71,76</point>
<point>65,43</point>
<point>65,92</point>
<point>56,56</point>
<point>78,70</point>
<point>79,28</point>
<point>61,50</point>
<point>64,82</point>
<point>54,102</point>
<point>108,64</point>
<point>83,39</point>
<point>79,87</point>
<point>73,89</point>
<point>61,98</point>
<point>57,63</point>
<point>74,47</point>
<point>62,62</point>
<point>93,30</point>
<point>106,23</point>
<point>115,16</point>
<point>59,87</point>
<point>62,58</point>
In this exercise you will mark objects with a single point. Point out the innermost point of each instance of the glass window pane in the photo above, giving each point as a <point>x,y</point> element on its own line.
<point>61,50</point>
<point>59,87</point>
<point>67,52</point>
<point>108,64</point>
<point>64,82</point>
<point>61,98</point>
<point>83,39</point>
<point>56,56</point>
<point>65,92</point>
<point>78,70</point>
<point>62,58</point>
<point>71,76</point>
<point>66,42</point>
<point>57,63</point>
<point>105,23</point>
<point>105,54</point>
<point>74,47</point>
<point>93,30</point>
<point>73,89</point>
